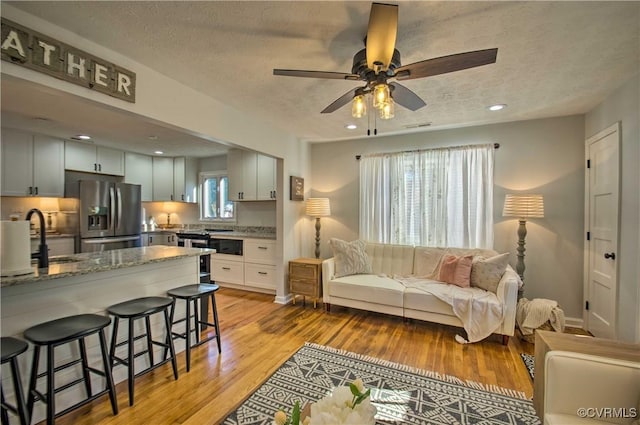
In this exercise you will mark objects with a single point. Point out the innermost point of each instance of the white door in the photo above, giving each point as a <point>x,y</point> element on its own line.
<point>601,212</point>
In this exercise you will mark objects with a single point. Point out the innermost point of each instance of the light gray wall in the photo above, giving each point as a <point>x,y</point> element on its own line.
<point>624,105</point>
<point>542,156</point>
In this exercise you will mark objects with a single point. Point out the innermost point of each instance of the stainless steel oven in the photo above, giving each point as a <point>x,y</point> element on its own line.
<point>198,240</point>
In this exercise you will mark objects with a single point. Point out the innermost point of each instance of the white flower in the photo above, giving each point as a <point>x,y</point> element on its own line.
<point>335,409</point>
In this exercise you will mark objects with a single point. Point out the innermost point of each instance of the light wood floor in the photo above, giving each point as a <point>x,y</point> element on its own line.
<point>258,335</point>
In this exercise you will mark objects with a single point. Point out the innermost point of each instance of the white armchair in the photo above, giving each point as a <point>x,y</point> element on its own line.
<point>586,389</point>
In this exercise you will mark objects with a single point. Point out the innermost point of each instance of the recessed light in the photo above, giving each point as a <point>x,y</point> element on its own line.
<point>82,137</point>
<point>351,126</point>
<point>159,152</point>
<point>497,107</point>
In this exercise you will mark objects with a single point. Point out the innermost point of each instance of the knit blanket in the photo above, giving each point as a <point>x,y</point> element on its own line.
<point>532,314</point>
<point>480,311</point>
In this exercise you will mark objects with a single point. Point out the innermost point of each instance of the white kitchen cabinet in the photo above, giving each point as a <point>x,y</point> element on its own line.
<point>185,179</point>
<point>56,246</point>
<point>32,165</point>
<point>226,270</point>
<point>162,179</point>
<point>265,178</point>
<point>93,159</point>
<point>260,263</point>
<point>251,176</point>
<point>138,169</point>
<point>161,238</point>
<point>175,179</point>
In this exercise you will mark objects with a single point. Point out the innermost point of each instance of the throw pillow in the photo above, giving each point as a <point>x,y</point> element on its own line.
<point>487,272</point>
<point>350,257</point>
<point>456,270</point>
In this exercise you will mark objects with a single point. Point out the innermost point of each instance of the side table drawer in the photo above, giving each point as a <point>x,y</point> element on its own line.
<point>303,271</point>
<point>303,287</point>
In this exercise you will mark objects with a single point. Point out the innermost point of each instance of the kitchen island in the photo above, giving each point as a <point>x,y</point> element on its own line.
<point>90,283</point>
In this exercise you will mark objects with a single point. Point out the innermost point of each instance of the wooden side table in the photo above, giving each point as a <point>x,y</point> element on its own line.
<point>553,341</point>
<point>305,278</point>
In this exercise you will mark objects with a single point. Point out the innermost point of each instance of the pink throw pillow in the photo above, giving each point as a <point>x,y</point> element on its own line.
<point>456,270</point>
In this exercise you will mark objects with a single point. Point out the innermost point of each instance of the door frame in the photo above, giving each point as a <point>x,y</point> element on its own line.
<point>614,128</point>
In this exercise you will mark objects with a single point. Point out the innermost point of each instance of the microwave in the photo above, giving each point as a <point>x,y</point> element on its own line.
<point>227,246</point>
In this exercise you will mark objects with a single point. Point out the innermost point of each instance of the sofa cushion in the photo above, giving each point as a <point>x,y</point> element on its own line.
<point>456,270</point>
<point>350,257</point>
<point>392,260</point>
<point>369,288</point>
<point>487,272</point>
<point>419,296</point>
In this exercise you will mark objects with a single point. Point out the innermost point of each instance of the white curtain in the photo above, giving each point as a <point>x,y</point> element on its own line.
<point>436,197</point>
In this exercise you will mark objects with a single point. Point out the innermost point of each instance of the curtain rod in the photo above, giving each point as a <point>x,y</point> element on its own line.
<point>495,146</point>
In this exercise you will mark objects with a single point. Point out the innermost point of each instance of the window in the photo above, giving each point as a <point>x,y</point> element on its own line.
<point>436,197</point>
<point>215,203</point>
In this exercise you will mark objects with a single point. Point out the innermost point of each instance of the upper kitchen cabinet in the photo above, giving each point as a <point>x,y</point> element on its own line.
<point>251,176</point>
<point>93,159</point>
<point>138,169</point>
<point>175,179</point>
<point>32,165</point>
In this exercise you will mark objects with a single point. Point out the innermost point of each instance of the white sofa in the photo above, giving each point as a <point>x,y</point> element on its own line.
<point>381,293</point>
<point>584,389</point>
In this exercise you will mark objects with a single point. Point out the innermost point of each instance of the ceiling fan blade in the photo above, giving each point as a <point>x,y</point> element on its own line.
<point>381,35</point>
<point>316,74</point>
<point>445,64</point>
<point>340,102</point>
<point>405,97</point>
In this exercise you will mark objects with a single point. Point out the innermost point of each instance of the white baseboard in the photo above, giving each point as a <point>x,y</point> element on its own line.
<point>574,322</point>
<point>283,299</point>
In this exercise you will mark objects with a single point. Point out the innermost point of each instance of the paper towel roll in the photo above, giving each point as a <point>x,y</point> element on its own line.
<point>15,248</point>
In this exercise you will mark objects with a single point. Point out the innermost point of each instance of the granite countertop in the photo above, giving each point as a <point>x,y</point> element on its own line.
<point>93,262</point>
<point>54,236</point>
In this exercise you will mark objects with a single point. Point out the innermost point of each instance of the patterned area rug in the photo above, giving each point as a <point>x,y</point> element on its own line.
<point>400,393</point>
<point>529,361</point>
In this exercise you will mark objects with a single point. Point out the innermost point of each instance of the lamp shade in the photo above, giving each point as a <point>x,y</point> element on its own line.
<point>49,204</point>
<point>318,207</point>
<point>523,206</point>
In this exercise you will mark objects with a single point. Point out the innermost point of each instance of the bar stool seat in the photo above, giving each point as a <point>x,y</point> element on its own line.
<point>141,308</point>
<point>62,331</point>
<point>191,294</point>
<point>11,349</point>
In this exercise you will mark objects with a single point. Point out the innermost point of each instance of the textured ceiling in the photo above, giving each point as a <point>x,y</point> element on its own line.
<point>554,58</point>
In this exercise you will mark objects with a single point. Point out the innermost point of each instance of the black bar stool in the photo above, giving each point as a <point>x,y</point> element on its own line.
<point>11,349</point>
<point>140,308</point>
<point>192,294</point>
<point>62,331</point>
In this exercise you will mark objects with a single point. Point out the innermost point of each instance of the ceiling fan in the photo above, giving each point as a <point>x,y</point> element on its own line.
<point>379,62</point>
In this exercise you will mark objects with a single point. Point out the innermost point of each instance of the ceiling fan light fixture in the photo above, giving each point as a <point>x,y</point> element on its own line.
<point>359,106</point>
<point>381,95</point>
<point>388,110</point>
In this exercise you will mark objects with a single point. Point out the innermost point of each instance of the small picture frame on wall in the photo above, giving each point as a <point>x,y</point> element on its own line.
<point>296,188</point>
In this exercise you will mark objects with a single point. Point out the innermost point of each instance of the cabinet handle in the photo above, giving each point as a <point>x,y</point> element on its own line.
<point>262,272</point>
<point>274,194</point>
<point>182,196</point>
<point>150,239</point>
<point>36,190</point>
<point>95,167</point>
<point>226,268</point>
<point>99,167</point>
<point>262,247</point>
<point>610,256</point>
<point>30,190</point>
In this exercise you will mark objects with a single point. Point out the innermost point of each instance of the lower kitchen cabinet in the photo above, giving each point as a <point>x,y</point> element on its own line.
<point>56,246</point>
<point>260,276</point>
<point>226,270</point>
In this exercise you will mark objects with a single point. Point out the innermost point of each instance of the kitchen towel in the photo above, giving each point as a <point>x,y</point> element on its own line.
<point>15,248</point>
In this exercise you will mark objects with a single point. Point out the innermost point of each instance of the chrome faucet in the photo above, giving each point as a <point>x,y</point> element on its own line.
<point>43,254</point>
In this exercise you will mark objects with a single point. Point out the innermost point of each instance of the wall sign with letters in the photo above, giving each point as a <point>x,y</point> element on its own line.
<point>33,50</point>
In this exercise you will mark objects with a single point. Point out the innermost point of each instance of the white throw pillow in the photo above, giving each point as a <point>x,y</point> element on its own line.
<point>350,257</point>
<point>487,272</point>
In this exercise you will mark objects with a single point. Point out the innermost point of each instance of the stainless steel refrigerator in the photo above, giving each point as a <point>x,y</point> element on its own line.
<point>109,215</point>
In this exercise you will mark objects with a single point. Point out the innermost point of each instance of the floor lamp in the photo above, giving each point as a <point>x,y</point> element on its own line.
<point>318,207</point>
<point>523,206</point>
